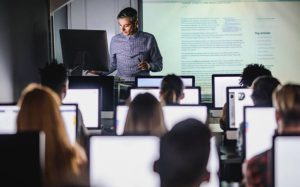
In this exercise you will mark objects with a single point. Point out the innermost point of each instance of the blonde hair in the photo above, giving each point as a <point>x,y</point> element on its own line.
<point>286,100</point>
<point>145,116</point>
<point>39,111</point>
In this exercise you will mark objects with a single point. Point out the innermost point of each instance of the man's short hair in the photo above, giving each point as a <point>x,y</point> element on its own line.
<point>130,13</point>
<point>54,75</point>
<point>184,153</point>
<point>251,72</point>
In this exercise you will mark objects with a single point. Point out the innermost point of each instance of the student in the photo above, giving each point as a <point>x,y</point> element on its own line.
<point>171,90</point>
<point>145,116</point>
<point>184,153</point>
<point>250,73</point>
<point>55,76</point>
<point>133,52</point>
<point>286,100</point>
<point>39,111</point>
<point>263,88</point>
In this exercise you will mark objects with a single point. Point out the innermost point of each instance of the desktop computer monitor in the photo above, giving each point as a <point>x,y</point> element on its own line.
<point>286,158</point>
<point>192,95</point>
<point>88,104</point>
<point>172,115</point>
<point>219,84</point>
<point>260,125</point>
<point>8,118</point>
<point>237,98</point>
<point>22,159</point>
<point>84,50</point>
<point>176,113</point>
<point>9,113</point>
<point>155,81</point>
<point>125,161</point>
<point>106,83</point>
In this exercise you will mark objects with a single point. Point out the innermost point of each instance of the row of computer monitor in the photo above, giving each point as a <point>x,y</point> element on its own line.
<point>96,94</point>
<point>128,160</point>
<point>9,112</point>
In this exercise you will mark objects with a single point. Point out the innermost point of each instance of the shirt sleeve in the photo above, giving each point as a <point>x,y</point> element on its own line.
<point>112,55</point>
<point>155,57</point>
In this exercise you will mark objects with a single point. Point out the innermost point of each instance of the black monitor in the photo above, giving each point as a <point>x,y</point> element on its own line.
<point>21,159</point>
<point>84,50</point>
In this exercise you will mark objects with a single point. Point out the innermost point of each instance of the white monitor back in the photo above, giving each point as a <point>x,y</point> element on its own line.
<point>286,161</point>
<point>175,114</point>
<point>237,99</point>
<point>88,104</point>
<point>191,95</point>
<point>260,128</point>
<point>9,113</point>
<point>8,119</point>
<point>156,81</point>
<point>220,85</point>
<point>125,161</point>
<point>172,115</point>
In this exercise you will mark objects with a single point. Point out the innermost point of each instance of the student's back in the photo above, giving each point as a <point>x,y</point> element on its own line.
<point>184,153</point>
<point>39,111</point>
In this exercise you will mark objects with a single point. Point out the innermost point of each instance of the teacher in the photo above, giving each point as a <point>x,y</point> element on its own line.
<point>133,52</point>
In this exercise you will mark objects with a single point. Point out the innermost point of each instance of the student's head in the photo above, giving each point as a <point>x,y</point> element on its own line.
<point>171,90</point>
<point>251,72</point>
<point>54,76</point>
<point>39,111</point>
<point>145,116</point>
<point>263,88</point>
<point>286,100</point>
<point>184,153</point>
<point>128,21</point>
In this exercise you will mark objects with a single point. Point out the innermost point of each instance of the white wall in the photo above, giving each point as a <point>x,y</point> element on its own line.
<point>97,14</point>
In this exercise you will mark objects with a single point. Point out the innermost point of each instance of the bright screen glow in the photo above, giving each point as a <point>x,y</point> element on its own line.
<point>9,113</point>
<point>123,161</point>
<point>88,103</point>
<point>175,114</point>
<point>220,85</point>
<point>238,98</point>
<point>260,127</point>
<point>8,119</point>
<point>286,160</point>
<point>205,37</point>
<point>191,95</point>
<point>69,114</point>
<point>156,81</point>
<point>121,114</point>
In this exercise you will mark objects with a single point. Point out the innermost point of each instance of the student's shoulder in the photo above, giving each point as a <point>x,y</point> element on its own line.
<point>146,34</point>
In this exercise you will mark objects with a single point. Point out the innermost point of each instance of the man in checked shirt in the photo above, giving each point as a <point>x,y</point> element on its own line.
<point>133,52</point>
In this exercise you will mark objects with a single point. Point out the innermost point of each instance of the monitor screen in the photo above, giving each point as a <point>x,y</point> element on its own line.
<point>105,82</point>
<point>191,95</point>
<point>155,81</point>
<point>237,98</point>
<point>8,119</point>
<point>120,120</point>
<point>88,104</point>
<point>219,84</point>
<point>9,113</point>
<point>175,114</point>
<point>84,50</point>
<point>172,115</point>
<point>260,127</point>
<point>125,161</point>
<point>69,114</point>
<point>286,159</point>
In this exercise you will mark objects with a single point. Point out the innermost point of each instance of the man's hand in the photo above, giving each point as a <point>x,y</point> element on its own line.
<point>144,65</point>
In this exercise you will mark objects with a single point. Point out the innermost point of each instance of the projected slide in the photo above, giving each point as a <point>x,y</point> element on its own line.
<point>207,37</point>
